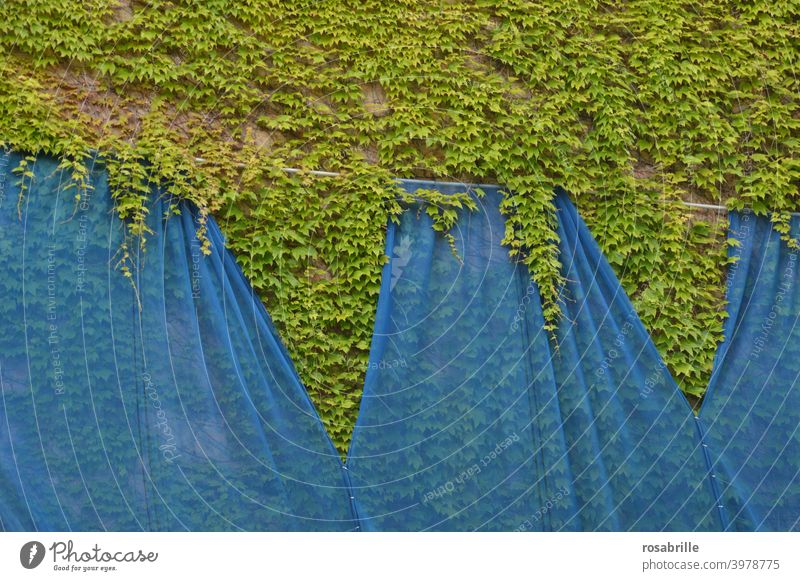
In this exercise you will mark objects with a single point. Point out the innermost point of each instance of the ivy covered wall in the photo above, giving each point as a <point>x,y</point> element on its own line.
<point>629,105</point>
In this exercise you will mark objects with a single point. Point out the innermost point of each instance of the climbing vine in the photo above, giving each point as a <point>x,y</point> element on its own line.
<point>631,106</point>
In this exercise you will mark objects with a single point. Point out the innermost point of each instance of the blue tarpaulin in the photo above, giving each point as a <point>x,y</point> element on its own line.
<point>475,418</point>
<point>752,407</point>
<point>166,401</point>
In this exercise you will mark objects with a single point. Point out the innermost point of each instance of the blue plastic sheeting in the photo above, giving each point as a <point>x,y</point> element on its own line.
<point>472,419</point>
<point>167,404</point>
<point>752,409</point>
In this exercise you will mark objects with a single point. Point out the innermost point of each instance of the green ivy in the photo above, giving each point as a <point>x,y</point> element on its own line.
<point>630,105</point>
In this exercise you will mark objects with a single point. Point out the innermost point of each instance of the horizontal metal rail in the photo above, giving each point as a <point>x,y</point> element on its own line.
<point>331,174</point>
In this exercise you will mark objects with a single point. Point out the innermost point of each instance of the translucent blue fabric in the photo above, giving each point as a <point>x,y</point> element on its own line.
<point>635,445</point>
<point>473,418</point>
<point>166,404</point>
<point>752,408</point>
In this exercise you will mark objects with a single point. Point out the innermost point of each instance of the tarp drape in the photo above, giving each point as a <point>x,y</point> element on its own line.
<point>474,418</point>
<point>167,402</point>
<point>752,408</point>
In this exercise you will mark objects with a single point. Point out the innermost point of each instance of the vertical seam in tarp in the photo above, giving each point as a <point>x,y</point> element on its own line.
<point>734,320</point>
<point>377,346</point>
<point>352,497</point>
<point>712,477</point>
<point>151,508</point>
<point>533,403</point>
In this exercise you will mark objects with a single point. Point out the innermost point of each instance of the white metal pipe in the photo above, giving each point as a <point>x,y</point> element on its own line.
<point>330,174</point>
<point>706,206</point>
